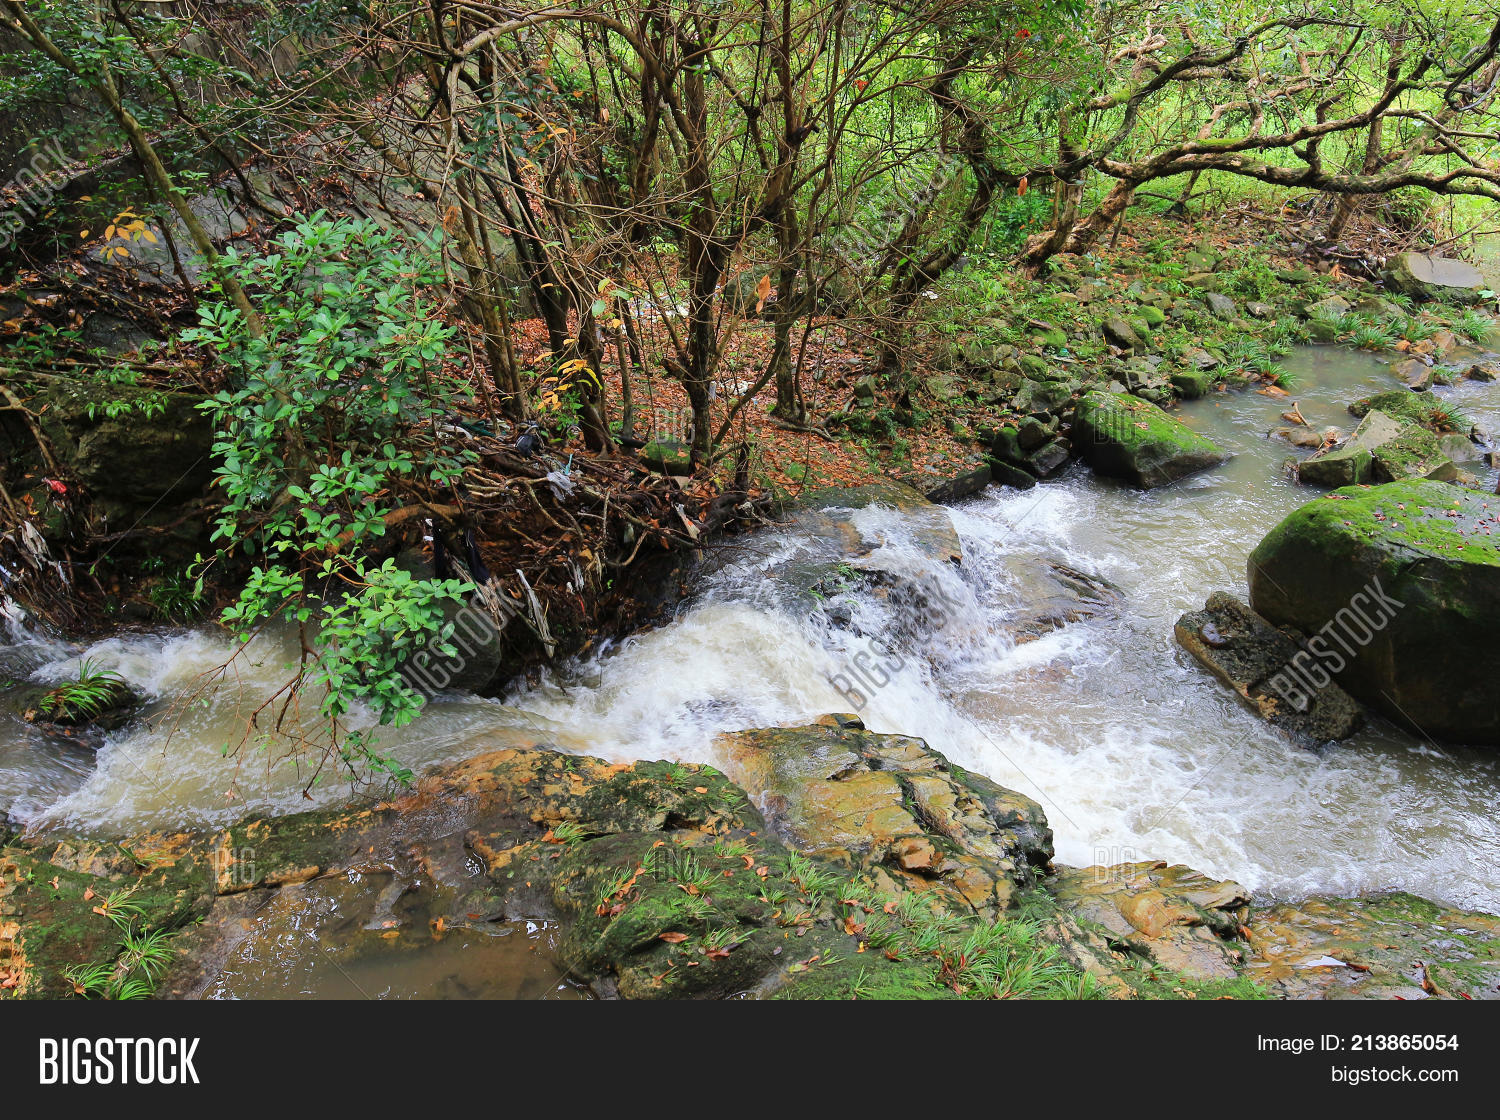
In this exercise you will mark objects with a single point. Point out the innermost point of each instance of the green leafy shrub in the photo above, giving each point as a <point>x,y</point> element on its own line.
<point>327,425</point>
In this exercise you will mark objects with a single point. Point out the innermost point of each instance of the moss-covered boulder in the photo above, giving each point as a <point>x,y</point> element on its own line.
<point>1352,461</point>
<point>669,456</point>
<point>1384,448</point>
<point>1126,437</point>
<point>1403,404</point>
<point>1406,579</point>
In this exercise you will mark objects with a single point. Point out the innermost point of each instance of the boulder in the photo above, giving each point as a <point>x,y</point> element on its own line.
<point>960,486</point>
<point>1352,461</point>
<point>668,456</point>
<point>1178,919</point>
<point>1414,453</point>
<point>1400,403</point>
<point>1221,306</point>
<point>1415,372</point>
<point>1119,332</point>
<point>1382,449</point>
<point>1405,577</point>
<point>896,810</point>
<point>1192,383</point>
<point>1126,437</point>
<point>1432,277</point>
<point>1260,663</point>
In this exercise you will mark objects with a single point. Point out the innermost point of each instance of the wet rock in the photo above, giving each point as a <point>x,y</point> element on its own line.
<point>1487,370</point>
<point>1304,438</point>
<point>1172,916</point>
<point>1050,458</point>
<point>1041,595</point>
<point>1007,474</point>
<point>960,486</point>
<point>1129,438</point>
<point>1432,277</point>
<point>1416,373</point>
<point>1409,573</point>
<point>1261,664</point>
<point>1351,461</point>
<point>1386,947</point>
<point>895,810</point>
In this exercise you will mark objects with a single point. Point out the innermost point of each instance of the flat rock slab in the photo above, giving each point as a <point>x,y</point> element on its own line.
<point>1394,946</point>
<point>1262,665</point>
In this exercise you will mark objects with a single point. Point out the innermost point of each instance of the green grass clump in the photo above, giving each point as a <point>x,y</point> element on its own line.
<point>92,692</point>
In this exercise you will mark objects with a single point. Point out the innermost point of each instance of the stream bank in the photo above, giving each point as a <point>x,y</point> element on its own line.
<point>884,871</point>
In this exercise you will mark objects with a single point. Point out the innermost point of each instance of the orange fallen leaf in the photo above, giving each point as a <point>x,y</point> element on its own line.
<point>88,893</point>
<point>700,789</point>
<point>674,938</point>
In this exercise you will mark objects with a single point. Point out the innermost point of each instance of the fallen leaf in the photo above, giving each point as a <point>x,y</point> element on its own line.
<point>674,938</point>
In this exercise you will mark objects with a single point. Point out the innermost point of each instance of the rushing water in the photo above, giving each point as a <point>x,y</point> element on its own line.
<point>1133,749</point>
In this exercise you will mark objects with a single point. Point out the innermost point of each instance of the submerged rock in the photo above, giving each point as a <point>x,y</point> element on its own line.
<point>1129,438</point>
<point>1262,665</point>
<point>1405,579</point>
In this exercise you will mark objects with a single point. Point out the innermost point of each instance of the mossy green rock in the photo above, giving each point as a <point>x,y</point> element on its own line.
<point>1192,383</point>
<point>1126,437</point>
<point>1420,562</point>
<point>669,456</point>
<point>1401,403</point>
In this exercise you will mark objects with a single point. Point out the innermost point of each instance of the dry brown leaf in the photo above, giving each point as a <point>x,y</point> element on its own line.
<point>674,938</point>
